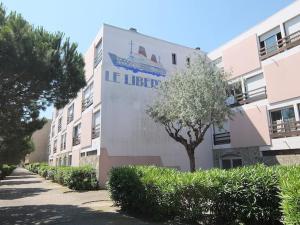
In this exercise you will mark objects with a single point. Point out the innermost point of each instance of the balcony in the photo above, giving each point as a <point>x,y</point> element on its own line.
<point>70,118</point>
<point>59,128</point>
<point>285,129</point>
<point>282,45</point>
<point>76,140</point>
<point>87,102</point>
<point>222,138</point>
<point>247,97</point>
<point>96,131</point>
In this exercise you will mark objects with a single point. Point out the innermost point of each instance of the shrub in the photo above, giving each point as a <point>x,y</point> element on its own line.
<point>290,194</point>
<point>6,170</point>
<point>77,178</point>
<point>247,195</point>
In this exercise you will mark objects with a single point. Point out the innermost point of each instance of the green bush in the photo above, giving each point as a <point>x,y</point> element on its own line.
<point>248,195</point>
<point>290,194</point>
<point>77,178</point>
<point>6,170</point>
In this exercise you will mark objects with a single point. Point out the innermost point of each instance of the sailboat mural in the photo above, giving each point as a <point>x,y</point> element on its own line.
<point>139,62</point>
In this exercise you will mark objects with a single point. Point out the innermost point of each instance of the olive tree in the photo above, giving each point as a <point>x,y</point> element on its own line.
<point>189,102</point>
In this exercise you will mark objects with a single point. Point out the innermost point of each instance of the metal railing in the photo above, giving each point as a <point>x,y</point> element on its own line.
<point>76,140</point>
<point>87,102</point>
<point>96,131</point>
<point>247,97</point>
<point>222,138</point>
<point>281,45</point>
<point>285,129</point>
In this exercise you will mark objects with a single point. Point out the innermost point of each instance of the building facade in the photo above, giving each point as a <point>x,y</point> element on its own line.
<point>106,125</point>
<point>40,139</point>
<point>264,63</point>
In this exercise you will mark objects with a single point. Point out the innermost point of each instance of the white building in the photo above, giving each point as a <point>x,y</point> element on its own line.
<point>106,125</point>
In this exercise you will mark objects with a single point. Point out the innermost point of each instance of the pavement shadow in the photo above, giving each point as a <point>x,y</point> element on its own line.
<point>16,193</point>
<point>18,182</point>
<point>63,215</point>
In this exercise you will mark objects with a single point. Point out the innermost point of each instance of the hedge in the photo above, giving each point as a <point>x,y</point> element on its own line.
<point>6,170</point>
<point>290,194</point>
<point>257,195</point>
<point>76,178</point>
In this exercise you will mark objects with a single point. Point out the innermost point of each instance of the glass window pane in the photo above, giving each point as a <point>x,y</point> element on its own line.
<point>226,164</point>
<point>271,43</point>
<point>288,113</point>
<point>237,163</point>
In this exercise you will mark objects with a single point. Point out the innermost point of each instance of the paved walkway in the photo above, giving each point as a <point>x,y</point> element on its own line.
<point>27,199</point>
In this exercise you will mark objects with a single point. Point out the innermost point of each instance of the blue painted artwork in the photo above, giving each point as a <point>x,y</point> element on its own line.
<point>138,62</point>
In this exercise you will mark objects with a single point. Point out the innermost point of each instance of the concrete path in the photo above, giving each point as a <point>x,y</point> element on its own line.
<point>27,199</point>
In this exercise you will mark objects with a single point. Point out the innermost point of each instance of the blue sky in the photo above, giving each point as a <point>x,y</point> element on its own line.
<point>195,23</point>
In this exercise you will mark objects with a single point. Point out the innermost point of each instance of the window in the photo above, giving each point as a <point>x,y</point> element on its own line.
<point>59,125</point>
<point>292,26</point>
<point>270,41</point>
<point>283,115</point>
<point>221,134</point>
<point>87,99</point>
<point>98,53</point>
<point>82,154</point>
<point>63,141</point>
<point>53,130</point>
<point>255,88</point>
<point>76,135</point>
<point>93,152</point>
<point>188,61</point>
<point>235,94</point>
<point>55,146</point>
<point>283,122</point>
<point>229,162</point>
<point>70,160</point>
<point>96,125</point>
<point>174,61</point>
<point>70,113</point>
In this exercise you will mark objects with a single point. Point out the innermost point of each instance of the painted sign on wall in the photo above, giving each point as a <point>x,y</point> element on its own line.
<point>136,63</point>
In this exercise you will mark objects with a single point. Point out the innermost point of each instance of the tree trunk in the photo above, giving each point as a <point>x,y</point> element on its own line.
<point>191,154</point>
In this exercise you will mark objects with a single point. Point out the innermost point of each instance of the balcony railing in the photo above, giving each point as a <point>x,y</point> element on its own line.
<point>59,128</point>
<point>96,132</point>
<point>281,45</point>
<point>87,102</point>
<point>62,146</point>
<point>285,129</point>
<point>222,138</point>
<point>76,140</point>
<point>70,118</point>
<point>247,97</point>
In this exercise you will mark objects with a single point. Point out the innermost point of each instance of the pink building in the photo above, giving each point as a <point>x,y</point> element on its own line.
<point>265,63</point>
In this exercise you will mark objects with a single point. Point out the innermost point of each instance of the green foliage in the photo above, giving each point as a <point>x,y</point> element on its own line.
<point>77,178</point>
<point>38,68</point>
<point>290,194</point>
<point>248,195</point>
<point>6,170</point>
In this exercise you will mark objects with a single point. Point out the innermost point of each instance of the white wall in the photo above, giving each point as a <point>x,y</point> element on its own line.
<point>126,129</point>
